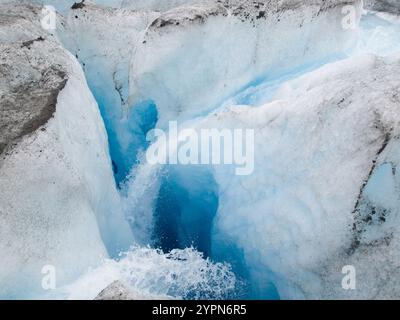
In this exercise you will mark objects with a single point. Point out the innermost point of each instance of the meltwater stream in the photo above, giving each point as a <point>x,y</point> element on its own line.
<point>172,209</point>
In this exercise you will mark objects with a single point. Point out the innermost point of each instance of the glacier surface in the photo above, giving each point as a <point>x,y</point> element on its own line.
<point>55,178</point>
<point>323,101</point>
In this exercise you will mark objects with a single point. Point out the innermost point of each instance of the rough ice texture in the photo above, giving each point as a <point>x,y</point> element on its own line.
<point>337,121</point>
<point>151,59</point>
<point>155,5</point>
<point>64,6</point>
<point>326,148</point>
<point>86,35</point>
<point>118,291</point>
<point>183,26</point>
<point>193,57</point>
<point>390,6</point>
<point>57,194</point>
<point>28,89</point>
<point>27,103</point>
<point>323,146</point>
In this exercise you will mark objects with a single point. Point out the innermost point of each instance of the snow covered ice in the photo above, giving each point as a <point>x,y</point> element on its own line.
<point>78,105</point>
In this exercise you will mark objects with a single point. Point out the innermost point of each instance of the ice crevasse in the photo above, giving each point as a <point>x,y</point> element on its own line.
<point>324,107</point>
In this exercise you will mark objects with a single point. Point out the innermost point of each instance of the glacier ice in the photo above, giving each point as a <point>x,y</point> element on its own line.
<point>324,106</point>
<point>389,6</point>
<point>64,6</point>
<point>288,208</point>
<point>192,58</point>
<point>143,44</point>
<point>58,202</point>
<point>107,71</point>
<point>285,204</point>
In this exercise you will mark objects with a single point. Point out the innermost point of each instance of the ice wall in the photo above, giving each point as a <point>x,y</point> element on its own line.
<point>64,6</point>
<point>183,63</point>
<point>389,6</point>
<point>58,202</point>
<point>156,5</point>
<point>309,175</point>
<point>324,193</point>
<point>316,144</point>
<point>87,34</point>
<point>193,57</point>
